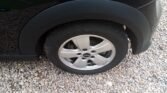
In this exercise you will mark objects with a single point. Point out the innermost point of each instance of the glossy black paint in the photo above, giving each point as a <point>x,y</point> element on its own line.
<point>135,3</point>
<point>20,4</point>
<point>85,10</point>
<point>27,21</point>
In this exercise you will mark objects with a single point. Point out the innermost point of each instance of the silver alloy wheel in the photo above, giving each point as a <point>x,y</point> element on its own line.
<point>87,52</point>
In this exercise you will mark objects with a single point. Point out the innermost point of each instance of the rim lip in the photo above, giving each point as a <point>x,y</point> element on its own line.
<point>69,64</point>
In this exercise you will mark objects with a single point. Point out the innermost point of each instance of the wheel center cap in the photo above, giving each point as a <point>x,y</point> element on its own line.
<point>86,55</point>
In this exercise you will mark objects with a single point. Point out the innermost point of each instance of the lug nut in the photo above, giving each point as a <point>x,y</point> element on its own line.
<point>92,56</point>
<point>85,49</point>
<point>83,58</point>
<point>78,53</point>
<point>93,51</point>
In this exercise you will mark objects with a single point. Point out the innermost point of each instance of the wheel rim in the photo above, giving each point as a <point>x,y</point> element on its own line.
<point>87,52</point>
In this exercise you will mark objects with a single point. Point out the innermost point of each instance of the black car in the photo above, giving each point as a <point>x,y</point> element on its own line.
<point>79,36</point>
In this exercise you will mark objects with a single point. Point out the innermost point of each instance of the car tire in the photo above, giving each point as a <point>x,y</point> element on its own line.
<point>82,38</point>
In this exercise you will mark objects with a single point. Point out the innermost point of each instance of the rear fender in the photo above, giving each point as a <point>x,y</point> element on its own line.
<point>85,10</point>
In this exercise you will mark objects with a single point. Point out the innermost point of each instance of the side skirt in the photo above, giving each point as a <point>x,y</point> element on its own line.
<point>18,57</point>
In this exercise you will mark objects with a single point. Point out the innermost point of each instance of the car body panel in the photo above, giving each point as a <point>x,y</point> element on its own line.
<point>24,22</point>
<point>85,10</point>
<point>19,4</point>
<point>135,3</point>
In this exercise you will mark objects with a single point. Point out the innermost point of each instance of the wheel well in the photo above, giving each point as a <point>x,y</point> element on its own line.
<point>42,39</point>
<point>132,38</point>
<point>83,10</point>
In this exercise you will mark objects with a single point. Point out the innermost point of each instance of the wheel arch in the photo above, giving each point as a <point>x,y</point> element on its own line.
<point>71,11</point>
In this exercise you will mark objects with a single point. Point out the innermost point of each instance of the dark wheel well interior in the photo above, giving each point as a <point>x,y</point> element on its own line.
<point>42,39</point>
<point>132,38</point>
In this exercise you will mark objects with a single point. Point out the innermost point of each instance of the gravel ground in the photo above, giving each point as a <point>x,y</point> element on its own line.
<point>144,73</point>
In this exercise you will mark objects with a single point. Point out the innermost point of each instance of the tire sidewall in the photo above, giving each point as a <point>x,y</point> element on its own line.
<point>111,33</point>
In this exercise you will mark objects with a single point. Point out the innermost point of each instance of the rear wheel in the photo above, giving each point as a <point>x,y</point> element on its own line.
<point>87,48</point>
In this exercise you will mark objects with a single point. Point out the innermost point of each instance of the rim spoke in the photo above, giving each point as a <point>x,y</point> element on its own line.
<point>80,63</point>
<point>100,60</point>
<point>69,53</point>
<point>82,42</point>
<point>86,56</point>
<point>104,46</point>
